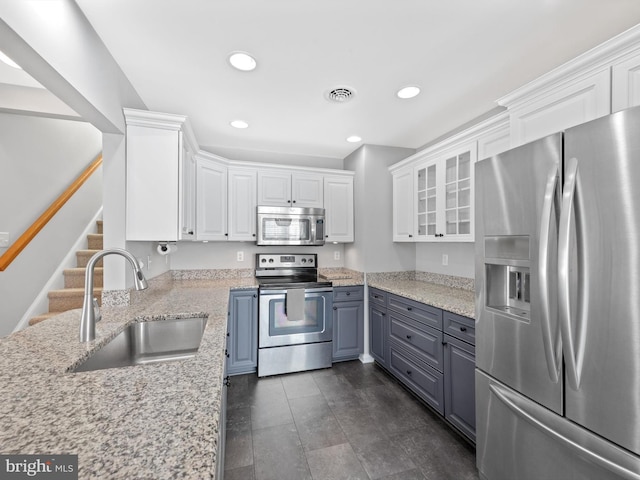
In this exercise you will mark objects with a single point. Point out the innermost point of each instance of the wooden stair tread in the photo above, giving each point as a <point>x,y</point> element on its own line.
<point>72,292</point>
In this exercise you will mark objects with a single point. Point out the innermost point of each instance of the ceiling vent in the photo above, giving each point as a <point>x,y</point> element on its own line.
<point>340,94</point>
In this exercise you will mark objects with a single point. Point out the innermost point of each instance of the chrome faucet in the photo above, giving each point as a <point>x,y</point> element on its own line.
<point>90,312</point>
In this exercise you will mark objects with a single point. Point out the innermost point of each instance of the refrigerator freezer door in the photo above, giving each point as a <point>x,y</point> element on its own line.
<point>523,441</point>
<point>603,307</point>
<point>516,256</point>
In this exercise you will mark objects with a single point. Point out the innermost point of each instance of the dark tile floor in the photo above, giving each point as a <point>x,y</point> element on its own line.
<point>352,421</point>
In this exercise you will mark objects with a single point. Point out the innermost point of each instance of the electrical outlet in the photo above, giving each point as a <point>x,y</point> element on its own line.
<point>4,239</point>
<point>445,259</point>
<point>336,255</point>
<point>240,256</point>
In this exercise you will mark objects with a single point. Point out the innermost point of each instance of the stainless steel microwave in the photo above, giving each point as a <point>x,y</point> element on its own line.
<point>290,226</point>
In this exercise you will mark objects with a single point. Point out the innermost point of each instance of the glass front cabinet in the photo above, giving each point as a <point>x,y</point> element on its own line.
<point>443,188</point>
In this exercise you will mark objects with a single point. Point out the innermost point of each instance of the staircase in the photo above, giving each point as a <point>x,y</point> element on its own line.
<point>72,295</point>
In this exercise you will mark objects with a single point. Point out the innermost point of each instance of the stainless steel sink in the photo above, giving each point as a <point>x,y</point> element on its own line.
<point>149,342</point>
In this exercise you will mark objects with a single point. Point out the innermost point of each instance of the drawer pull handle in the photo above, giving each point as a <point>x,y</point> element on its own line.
<point>226,353</point>
<point>409,308</point>
<point>463,329</point>
<point>408,337</point>
<point>408,372</point>
<point>348,293</point>
<point>227,381</point>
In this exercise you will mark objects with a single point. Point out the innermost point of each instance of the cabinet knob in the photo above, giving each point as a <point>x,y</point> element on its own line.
<point>335,308</point>
<point>288,201</point>
<point>408,372</point>
<point>226,234</point>
<point>463,329</point>
<point>409,308</point>
<point>408,337</point>
<point>384,314</point>
<point>254,235</point>
<point>227,381</point>
<point>410,236</point>
<point>348,293</point>
<point>294,201</point>
<point>226,353</point>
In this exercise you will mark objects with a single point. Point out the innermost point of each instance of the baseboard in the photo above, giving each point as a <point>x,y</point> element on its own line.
<point>56,281</point>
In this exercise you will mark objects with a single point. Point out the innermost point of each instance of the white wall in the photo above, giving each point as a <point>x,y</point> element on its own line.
<point>212,255</point>
<point>39,158</point>
<point>374,250</point>
<point>461,258</point>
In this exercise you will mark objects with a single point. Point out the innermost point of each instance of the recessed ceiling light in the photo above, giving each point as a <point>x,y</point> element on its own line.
<point>242,61</point>
<point>239,124</point>
<point>8,61</point>
<point>354,139</point>
<point>408,92</point>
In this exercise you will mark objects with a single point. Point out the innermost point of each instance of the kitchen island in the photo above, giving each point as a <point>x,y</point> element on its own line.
<point>152,421</point>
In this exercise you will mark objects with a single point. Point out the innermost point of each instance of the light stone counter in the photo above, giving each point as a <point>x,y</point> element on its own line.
<point>454,294</point>
<point>153,421</point>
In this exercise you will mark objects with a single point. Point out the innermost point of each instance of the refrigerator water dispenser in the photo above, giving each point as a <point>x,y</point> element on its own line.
<point>508,279</point>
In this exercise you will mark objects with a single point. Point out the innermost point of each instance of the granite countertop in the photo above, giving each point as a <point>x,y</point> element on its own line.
<point>153,421</point>
<point>342,277</point>
<point>459,299</point>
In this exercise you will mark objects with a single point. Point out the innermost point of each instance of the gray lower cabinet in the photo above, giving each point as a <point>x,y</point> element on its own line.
<point>430,350</point>
<point>242,349</point>
<point>378,326</point>
<point>348,322</point>
<point>459,373</point>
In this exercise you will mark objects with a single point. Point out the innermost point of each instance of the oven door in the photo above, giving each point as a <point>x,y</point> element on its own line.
<point>277,330</point>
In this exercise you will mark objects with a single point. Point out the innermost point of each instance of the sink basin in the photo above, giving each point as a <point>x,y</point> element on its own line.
<point>149,342</point>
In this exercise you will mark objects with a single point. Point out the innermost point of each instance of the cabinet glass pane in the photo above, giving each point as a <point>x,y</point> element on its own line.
<point>452,169</point>
<point>464,217</point>
<point>431,176</point>
<point>452,222</point>
<point>431,224</point>
<point>464,165</point>
<point>422,179</point>
<point>422,224</point>
<point>464,196</point>
<point>452,196</point>
<point>422,205</point>
<point>431,204</point>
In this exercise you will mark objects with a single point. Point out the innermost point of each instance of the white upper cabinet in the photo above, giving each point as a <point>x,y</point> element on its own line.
<point>403,189</point>
<point>211,200</point>
<point>338,204</point>
<point>625,78</point>
<point>160,197</point>
<point>242,203</point>
<point>563,107</point>
<point>281,188</point>
<point>444,197</point>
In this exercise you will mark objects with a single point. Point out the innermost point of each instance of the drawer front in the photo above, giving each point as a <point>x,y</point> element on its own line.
<point>378,297</point>
<point>460,327</point>
<point>426,314</point>
<point>423,341</point>
<point>348,294</point>
<point>422,379</point>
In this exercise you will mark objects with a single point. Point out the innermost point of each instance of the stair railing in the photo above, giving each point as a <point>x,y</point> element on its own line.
<point>29,234</point>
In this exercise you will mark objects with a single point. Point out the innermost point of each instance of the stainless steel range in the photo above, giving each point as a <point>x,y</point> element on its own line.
<point>295,314</point>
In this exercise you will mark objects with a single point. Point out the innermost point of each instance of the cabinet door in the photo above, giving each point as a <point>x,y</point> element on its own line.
<point>625,88</point>
<point>152,206</point>
<point>187,193</point>
<point>426,201</point>
<point>242,204</point>
<point>348,330</point>
<point>403,189</point>
<point>338,204</point>
<point>562,108</point>
<point>307,190</point>
<point>211,203</point>
<point>459,385</point>
<point>243,332</point>
<point>378,335</point>
<point>274,188</point>
<point>458,195</point>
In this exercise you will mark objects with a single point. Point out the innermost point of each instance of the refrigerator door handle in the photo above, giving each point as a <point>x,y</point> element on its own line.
<point>573,352</point>
<point>586,445</point>
<point>550,339</point>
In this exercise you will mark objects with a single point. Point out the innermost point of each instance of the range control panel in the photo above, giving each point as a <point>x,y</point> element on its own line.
<point>279,260</point>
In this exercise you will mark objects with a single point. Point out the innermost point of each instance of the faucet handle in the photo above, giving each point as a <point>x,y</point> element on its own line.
<point>96,309</point>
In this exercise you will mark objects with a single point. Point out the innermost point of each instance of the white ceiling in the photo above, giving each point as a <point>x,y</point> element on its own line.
<point>464,54</point>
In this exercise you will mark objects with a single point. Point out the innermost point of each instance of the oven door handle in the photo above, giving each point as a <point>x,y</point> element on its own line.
<point>266,291</point>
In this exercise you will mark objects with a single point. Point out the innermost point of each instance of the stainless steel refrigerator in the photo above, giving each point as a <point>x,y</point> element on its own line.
<point>558,305</point>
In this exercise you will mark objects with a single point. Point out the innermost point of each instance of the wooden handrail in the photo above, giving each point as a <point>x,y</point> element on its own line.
<point>29,234</point>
